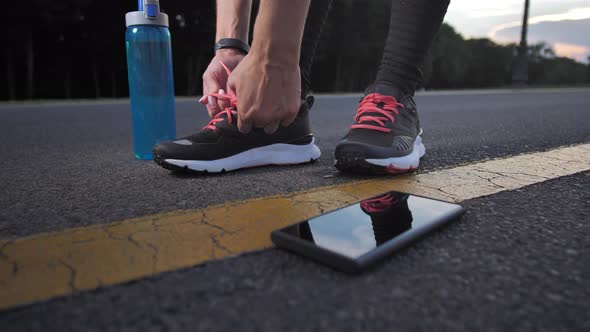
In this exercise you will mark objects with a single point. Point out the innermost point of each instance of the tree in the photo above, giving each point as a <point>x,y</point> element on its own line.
<point>445,64</point>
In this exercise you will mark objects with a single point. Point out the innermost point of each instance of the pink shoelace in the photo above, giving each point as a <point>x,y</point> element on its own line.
<point>369,105</point>
<point>228,111</point>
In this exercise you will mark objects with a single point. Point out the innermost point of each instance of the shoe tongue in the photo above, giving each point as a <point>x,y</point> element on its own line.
<point>377,114</point>
<point>222,123</point>
<point>386,90</point>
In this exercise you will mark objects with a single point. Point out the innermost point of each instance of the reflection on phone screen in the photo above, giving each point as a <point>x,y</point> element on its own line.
<point>357,229</point>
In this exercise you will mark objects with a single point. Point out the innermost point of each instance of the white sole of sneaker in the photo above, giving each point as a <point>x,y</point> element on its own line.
<point>405,163</point>
<point>274,154</point>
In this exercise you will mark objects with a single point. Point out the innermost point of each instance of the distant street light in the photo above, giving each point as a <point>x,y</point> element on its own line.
<point>520,70</point>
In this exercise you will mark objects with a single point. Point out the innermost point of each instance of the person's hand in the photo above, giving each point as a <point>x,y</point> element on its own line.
<point>215,78</point>
<point>268,93</point>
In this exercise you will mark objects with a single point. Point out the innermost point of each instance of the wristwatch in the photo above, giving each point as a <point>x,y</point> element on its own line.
<point>232,43</point>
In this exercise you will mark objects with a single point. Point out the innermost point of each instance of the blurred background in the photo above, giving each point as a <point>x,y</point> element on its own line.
<point>71,49</point>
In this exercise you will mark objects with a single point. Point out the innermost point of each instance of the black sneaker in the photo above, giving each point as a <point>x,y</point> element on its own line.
<point>220,147</point>
<point>384,139</point>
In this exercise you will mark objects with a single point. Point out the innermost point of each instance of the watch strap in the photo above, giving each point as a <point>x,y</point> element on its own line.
<point>232,43</point>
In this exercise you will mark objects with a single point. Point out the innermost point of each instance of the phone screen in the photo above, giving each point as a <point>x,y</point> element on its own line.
<point>358,229</point>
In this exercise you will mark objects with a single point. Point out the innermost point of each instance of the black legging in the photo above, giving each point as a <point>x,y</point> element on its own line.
<point>413,24</point>
<point>316,17</point>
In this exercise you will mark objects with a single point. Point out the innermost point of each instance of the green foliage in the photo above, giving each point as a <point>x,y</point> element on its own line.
<point>454,62</point>
<point>547,69</point>
<point>445,64</point>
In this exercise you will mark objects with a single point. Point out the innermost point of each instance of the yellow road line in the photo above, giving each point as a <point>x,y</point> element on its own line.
<point>47,265</point>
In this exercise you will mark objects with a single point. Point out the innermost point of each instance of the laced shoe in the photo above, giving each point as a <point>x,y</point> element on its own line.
<point>220,147</point>
<point>384,139</point>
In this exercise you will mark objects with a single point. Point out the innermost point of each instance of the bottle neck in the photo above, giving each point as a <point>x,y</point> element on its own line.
<point>139,18</point>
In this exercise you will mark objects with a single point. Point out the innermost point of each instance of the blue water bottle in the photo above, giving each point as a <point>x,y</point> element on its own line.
<point>151,83</point>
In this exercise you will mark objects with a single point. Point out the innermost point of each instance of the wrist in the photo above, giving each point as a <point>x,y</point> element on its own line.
<point>279,30</point>
<point>279,54</point>
<point>233,43</point>
<point>223,52</point>
<point>233,19</point>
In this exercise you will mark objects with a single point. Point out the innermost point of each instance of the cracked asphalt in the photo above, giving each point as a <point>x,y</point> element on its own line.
<point>517,260</point>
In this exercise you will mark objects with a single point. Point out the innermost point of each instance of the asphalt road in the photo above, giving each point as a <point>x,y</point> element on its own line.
<point>516,261</point>
<point>71,165</point>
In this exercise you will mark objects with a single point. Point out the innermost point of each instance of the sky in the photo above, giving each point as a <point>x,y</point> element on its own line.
<point>564,24</point>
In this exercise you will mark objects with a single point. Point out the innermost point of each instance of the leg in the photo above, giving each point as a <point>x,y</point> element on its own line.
<point>412,27</point>
<point>318,12</point>
<point>386,135</point>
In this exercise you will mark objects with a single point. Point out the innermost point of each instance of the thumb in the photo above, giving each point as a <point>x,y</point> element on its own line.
<point>210,86</point>
<point>244,126</point>
<point>223,103</point>
<point>231,86</point>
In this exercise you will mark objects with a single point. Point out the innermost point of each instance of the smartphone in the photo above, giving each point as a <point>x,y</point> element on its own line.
<point>357,236</point>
